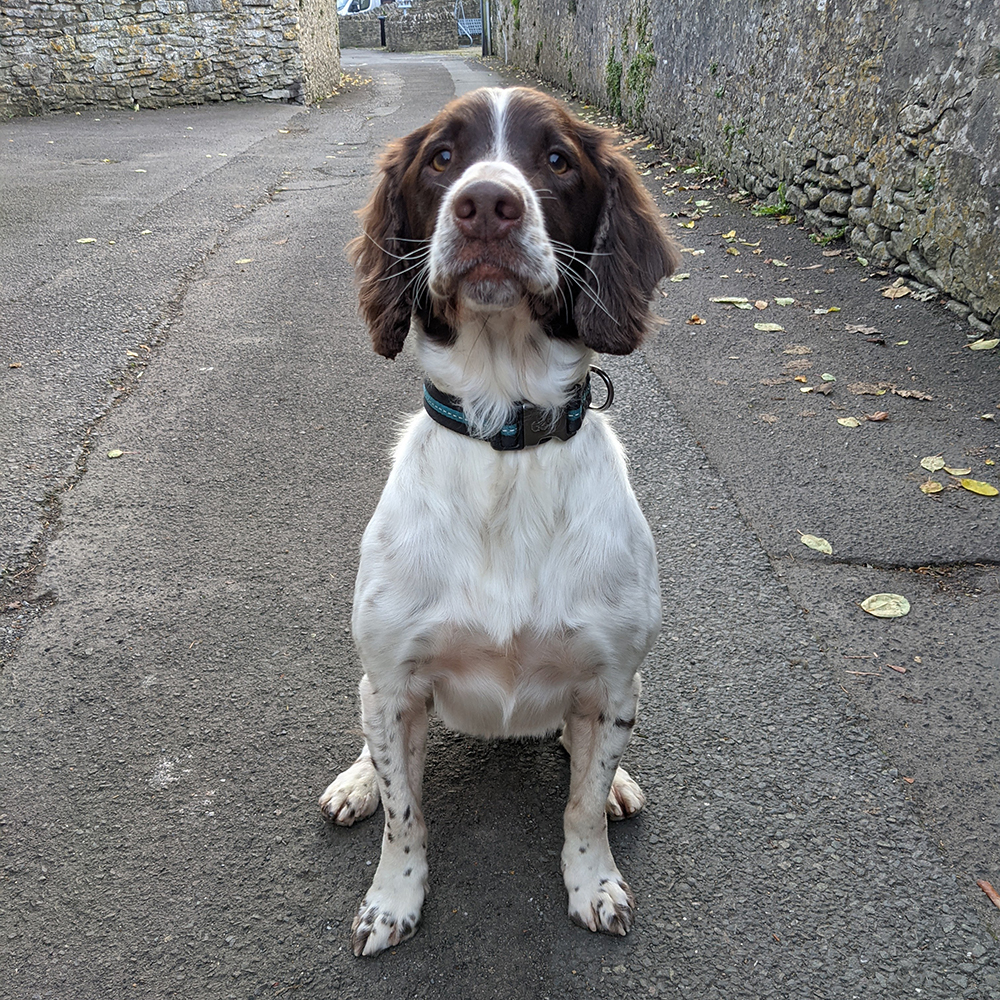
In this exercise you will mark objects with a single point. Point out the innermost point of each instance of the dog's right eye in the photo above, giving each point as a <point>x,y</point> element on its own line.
<point>442,158</point>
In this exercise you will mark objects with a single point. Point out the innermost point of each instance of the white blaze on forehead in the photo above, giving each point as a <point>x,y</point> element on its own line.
<point>500,99</point>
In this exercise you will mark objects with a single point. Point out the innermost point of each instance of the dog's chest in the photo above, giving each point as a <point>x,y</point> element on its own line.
<point>499,585</point>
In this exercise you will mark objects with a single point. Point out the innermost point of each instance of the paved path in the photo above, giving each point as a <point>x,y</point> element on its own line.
<point>178,681</point>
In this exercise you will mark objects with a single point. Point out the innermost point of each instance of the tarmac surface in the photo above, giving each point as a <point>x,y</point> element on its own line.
<point>178,682</point>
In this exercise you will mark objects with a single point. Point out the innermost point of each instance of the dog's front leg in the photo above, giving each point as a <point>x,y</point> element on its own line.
<point>396,732</point>
<point>599,898</point>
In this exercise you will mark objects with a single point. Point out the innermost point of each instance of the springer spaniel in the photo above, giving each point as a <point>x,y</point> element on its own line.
<point>508,579</point>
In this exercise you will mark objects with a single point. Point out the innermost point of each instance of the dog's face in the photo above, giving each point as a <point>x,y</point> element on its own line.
<point>505,198</point>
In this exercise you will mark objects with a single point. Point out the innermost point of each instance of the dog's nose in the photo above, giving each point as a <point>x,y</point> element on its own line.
<point>487,210</point>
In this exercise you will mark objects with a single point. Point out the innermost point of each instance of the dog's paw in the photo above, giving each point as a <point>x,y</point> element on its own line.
<point>352,795</point>
<point>626,798</point>
<point>381,924</point>
<point>607,907</point>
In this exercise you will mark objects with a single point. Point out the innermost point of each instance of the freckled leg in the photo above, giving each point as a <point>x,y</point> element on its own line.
<point>396,734</point>
<point>599,898</point>
<point>626,798</point>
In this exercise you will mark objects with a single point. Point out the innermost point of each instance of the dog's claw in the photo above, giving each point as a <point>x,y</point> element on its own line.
<point>609,910</point>
<point>626,798</point>
<point>374,931</point>
<point>352,795</point>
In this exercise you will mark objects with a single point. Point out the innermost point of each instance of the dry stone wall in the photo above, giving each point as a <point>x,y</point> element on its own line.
<point>426,26</point>
<point>61,55</point>
<point>880,118</point>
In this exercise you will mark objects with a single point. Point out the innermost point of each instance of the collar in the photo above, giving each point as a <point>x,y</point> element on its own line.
<point>529,425</point>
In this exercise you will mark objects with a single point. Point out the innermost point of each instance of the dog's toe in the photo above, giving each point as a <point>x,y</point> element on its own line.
<point>626,798</point>
<point>375,929</point>
<point>352,795</point>
<point>608,909</point>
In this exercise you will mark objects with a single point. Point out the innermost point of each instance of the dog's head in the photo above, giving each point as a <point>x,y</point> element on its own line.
<point>503,199</point>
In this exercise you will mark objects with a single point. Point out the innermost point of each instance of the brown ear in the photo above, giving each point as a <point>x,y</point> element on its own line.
<point>384,255</point>
<point>631,253</point>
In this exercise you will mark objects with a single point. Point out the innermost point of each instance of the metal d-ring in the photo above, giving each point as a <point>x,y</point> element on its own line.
<point>608,384</point>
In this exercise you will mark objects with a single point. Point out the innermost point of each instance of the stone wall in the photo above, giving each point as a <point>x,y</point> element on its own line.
<point>880,118</point>
<point>427,26</point>
<point>58,55</point>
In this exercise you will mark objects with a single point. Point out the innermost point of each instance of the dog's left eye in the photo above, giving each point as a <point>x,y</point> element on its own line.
<point>441,160</point>
<point>558,163</point>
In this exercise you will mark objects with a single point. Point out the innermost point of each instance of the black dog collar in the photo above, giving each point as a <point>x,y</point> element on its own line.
<point>529,425</point>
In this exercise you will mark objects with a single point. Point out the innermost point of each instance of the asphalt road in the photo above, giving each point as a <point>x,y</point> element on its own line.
<point>178,682</point>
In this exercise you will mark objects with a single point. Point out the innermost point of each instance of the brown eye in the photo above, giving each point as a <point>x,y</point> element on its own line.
<point>441,160</point>
<point>558,163</point>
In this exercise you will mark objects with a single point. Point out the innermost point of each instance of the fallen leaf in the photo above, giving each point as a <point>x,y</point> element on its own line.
<point>680,277</point>
<point>886,605</point>
<point>769,418</point>
<point>931,487</point>
<point>956,472</point>
<point>778,263</point>
<point>245,260</point>
<point>801,378</point>
<point>867,331</point>
<point>761,304</point>
<point>932,463</point>
<point>877,417</point>
<point>115,453</point>
<point>827,377</point>
<point>817,543</point>
<point>911,394</point>
<point>730,300</point>
<point>869,388</point>
<point>823,312</point>
<point>732,251</point>
<point>895,291</point>
<point>848,422</point>
<point>832,253</point>
<point>695,320</point>
<point>797,349</point>
<point>994,897</point>
<point>87,239</point>
<point>983,489</point>
<point>899,670</point>
<point>686,225</point>
<point>984,345</point>
<point>731,235</point>
<point>901,343</point>
<point>784,301</point>
<point>769,327</point>
<point>14,364</point>
<point>801,365</point>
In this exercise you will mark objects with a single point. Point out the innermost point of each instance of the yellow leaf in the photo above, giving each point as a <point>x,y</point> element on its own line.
<point>886,605</point>
<point>680,277</point>
<point>731,235</point>
<point>686,225</point>
<point>894,292</point>
<point>817,543</point>
<point>87,239</point>
<point>696,320</point>
<point>769,327</point>
<point>848,422</point>
<point>984,345</point>
<point>983,489</point>
<point>245,260</point>
<point>732,251</point>
<point>761,303</point>
<point>956,472</point>
<point>784,301</point>
<point>932,463</point>
<point>931,487</point>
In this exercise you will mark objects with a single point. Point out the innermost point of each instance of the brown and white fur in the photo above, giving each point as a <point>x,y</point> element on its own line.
<point>512,593</point>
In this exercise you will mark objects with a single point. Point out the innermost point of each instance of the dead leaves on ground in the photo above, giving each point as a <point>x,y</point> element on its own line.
<point>959,478</point>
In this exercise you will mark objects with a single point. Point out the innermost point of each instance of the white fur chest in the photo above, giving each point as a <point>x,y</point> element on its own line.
<point>515,575</point>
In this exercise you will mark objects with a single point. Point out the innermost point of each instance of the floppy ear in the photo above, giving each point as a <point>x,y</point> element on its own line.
<point>383,271</point>
<point>631,253</point>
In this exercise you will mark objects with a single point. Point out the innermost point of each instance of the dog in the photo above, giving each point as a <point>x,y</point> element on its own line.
<point>507,580</point>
